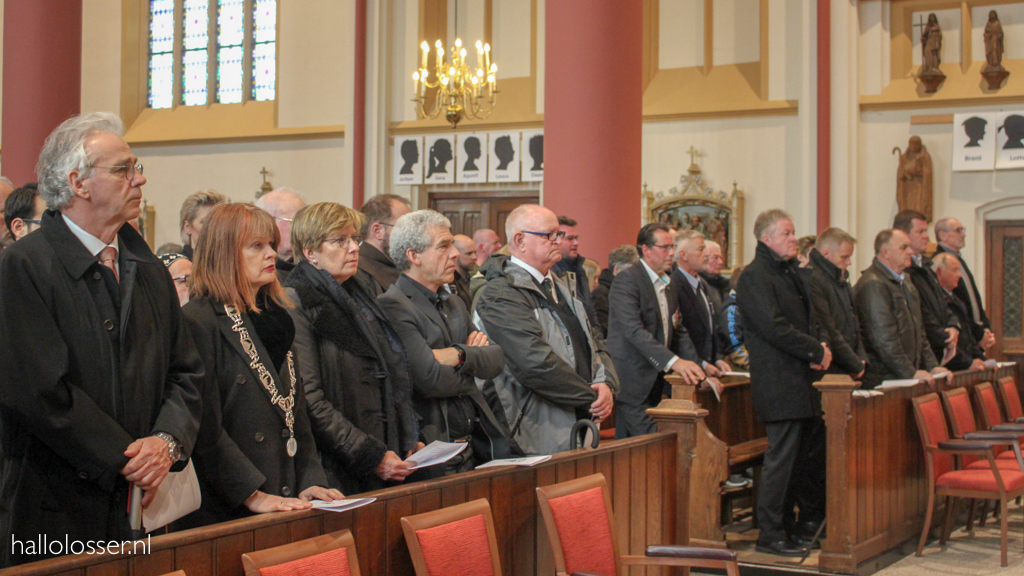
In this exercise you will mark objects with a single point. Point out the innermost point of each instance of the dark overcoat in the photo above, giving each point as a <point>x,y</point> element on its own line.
<point>376,270</point>
<point>782,337</point>
<point>87,366</point>
<point>693,315</point>
<point>961,291</point>
<point>832,299</point>
<point>242,440</point>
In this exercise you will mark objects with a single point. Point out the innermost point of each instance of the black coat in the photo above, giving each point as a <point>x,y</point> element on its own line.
<point>967,348</point>
<point>460,286</point>
<point>575,265</point>
<point>936,315</point>
<point>81,377</point>
<point>600,299</point>
<point>360,406</point>
<point>376,270</point>
<point>442,393</point>
<point>636,339</point>
<point>782,337</point>
<point>694,316</point>
<point>832,299</point>
<point>891,326</point>
<point>978,328</point>
<point>242,439</point>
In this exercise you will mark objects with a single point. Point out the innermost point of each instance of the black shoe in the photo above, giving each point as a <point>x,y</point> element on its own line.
<point>782,548</point>
<point>805,540</point>
<point>809,529</point>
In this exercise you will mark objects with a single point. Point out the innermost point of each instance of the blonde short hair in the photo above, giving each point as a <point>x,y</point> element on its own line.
<point>190,208</point>
<point>314,223</point>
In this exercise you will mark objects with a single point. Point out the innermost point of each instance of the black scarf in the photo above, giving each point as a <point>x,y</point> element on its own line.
<point>274,327</point>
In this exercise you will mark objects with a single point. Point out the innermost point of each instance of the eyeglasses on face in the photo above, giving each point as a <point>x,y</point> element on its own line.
<point>128,169</point>
<point>183,278</point>
<point>342,241</point>
<point>283,219</point>
<point>36,222</point>
<point>662,246</point>
<point>551,236</point>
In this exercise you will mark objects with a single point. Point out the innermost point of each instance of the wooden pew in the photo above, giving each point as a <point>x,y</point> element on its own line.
<point>876,486</point>
<point>647,476</point>
<point>728,440</point>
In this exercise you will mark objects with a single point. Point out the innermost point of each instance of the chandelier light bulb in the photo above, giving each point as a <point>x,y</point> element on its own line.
<point>444,80</point>
<point>416,76</point>
<point>487,47</point>
<point>480,72</point>
<point>436,44</point>
<point>490,78</point>
<point>425,46</point>
<point>479,45</point>
<point>462,53</point>
<point>458,42</point>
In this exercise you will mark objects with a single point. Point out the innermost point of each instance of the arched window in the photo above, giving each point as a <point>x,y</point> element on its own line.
<point>211,51</point>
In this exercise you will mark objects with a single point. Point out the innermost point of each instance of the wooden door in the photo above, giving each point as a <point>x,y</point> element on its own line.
<point>470,212</point>
<point>1004,287</point>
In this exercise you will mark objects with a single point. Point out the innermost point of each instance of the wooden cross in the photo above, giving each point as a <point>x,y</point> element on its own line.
<point>921,24</point>
<point>693,154</point>
<point>264,173</point>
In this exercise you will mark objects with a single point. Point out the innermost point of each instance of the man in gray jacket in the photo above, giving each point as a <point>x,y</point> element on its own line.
<point>557,369</point>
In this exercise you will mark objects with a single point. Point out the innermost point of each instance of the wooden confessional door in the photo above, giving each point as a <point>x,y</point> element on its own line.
<point>472,211</point>
<point>1004,287</point>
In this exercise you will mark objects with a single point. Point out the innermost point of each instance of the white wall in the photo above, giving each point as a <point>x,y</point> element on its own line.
<point>315,47</point>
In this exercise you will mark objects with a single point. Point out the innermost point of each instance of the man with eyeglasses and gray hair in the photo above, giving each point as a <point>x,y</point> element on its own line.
<point>99,376</point>
<point>557,369</point>
<point>377,272</point>
<point>282,204</point>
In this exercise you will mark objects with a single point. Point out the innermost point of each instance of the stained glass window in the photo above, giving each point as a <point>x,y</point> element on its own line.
<point>161,53</point>
<point>238,60</point>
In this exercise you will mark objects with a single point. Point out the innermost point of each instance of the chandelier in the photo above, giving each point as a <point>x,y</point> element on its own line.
<point>461,91</point>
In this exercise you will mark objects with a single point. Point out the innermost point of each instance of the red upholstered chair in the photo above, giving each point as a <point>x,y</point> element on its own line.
<point>1011,399</point>
<point>331,554</point>
<point>581,529</point>
<point>990,483</point>
<point>963,424</point>
<point>454,541</point>
<point>991,414</point>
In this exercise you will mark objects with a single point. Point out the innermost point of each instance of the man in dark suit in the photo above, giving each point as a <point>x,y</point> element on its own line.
<point>645,338</point>
<point>951,236</point>
<point>787,350</point>
<point>465,267</point>
<point>446,352</point>
<point>697,312</point>
<point>970,354</point>
<point>99,377</point>
<point>828,284</point>
<point>376,270</point>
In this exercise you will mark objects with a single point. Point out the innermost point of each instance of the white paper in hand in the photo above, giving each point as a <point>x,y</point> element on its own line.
<point>341,505</point>
<point>177,496</point>
<point>436,452</point>
<point>893,384</point>
<point>525,461</point>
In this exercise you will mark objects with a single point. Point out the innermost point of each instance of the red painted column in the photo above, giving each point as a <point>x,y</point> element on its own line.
<point>41,80</point>
<point>592,119</point>
<point>824,115</point>
<point>359,109</point>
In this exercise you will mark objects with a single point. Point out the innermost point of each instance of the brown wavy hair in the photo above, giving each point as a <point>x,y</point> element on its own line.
<point>218,272</point>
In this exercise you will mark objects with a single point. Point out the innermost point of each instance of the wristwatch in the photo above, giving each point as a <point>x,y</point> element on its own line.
<point>173,448</point>
<point>462,355</point>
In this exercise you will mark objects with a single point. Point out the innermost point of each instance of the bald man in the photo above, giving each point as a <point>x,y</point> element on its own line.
<point>465,267</point>
<point>952,238</point>
<point>282,204</point>
<point>557,369</point>
<point>6,187</point>
<point>487,243</point>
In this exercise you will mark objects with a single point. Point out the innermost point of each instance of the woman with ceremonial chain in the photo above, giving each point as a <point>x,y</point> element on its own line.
<point>255,451</point>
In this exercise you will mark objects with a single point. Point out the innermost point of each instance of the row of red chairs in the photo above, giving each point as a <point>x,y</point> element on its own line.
<point>460,541</point>
<point>972,463</point>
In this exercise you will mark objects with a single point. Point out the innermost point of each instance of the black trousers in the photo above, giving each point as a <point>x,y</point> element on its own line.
<point>793,475</point>
<point>632,420</point>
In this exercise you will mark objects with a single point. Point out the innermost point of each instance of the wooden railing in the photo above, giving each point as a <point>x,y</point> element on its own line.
<point>647,476</point>
<point>877,491</point>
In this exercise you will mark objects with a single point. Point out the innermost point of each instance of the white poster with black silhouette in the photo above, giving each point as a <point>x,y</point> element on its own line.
<point>532,158</point>
<point>1009,129</point>
<point>472,157</point>
<point>503,161</point>
<point>974,142</point>
<point>408,160</point>
<point>440,165</point>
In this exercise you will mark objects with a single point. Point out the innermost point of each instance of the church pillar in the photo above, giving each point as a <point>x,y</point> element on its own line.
<point>42,52</point>
<point>593,96</point>
<point>824,140</point>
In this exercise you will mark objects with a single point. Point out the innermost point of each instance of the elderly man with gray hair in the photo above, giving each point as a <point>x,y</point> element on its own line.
<point>283,204</point>
<point>99,375</point>
<point>446,351</point>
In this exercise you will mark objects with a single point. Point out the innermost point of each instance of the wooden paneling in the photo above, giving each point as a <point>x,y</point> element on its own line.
<point>472,211</point>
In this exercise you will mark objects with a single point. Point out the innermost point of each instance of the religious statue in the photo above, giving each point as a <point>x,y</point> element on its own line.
<point>931,54</point>
<point>914,178</point>
<point>993,70</point>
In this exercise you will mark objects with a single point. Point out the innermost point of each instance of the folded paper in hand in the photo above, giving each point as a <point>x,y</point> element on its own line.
<point>341,505</point>
<point>525,461</point>
<point>177,496</point>
<point>436,452</point>
<point>893,384</point>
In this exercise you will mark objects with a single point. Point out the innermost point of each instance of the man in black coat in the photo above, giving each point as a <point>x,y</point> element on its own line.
<point>465,267</point>
<point>446,352</point>
<point>376,270</point>
<point>619,260</point>
<point>572,261</point>
<point>832,298</point>
<point>98,376</point>
<point>697,312</point>
<point>970,353</point>
<point>786,352</point>
<point>951,236</point>
<point>646,338</point>
<point>941,326</point>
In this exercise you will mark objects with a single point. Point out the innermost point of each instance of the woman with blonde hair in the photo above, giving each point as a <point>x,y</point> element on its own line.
<point>352,361</point>
<point>194,211</point>
<point>255,451</point>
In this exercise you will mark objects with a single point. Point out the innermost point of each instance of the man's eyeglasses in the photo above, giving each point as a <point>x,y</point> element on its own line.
<point>128,169</point>
<point>663,246</point>
<point>283,219</point>
<point>551,236</point>
<point>36,222</point>
<point>183,278</point>
<point>342,241</point>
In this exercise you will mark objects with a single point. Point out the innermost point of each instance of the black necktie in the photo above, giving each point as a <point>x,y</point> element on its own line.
<point>547,289</point>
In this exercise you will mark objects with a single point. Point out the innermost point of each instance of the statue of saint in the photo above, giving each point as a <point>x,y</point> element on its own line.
<point>914,178</point>
<point>931,46</point>
<point>993,42</point>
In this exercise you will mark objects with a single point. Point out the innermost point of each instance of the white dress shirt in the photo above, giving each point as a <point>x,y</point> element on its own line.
<point>660,283</point>
<point>538,276</point>
<point>93,244</point>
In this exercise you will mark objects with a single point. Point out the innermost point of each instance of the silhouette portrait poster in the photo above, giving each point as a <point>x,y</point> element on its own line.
<point>1009,139</point>
<point>974,140</point>
<point>408,160</point>
<point>532,158</point>
<point>471,150</point>
<point>503,161</point>
<point>439,164</point>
